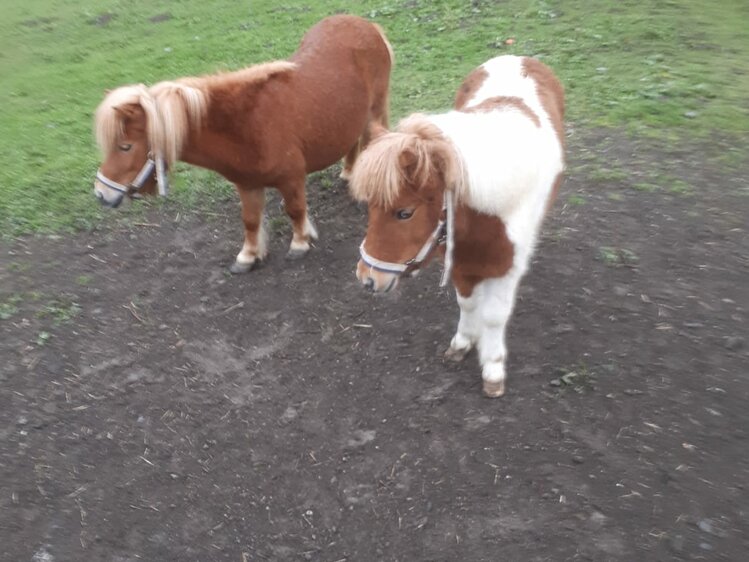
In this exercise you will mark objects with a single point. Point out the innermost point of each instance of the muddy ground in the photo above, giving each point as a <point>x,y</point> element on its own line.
<point>153,407</point>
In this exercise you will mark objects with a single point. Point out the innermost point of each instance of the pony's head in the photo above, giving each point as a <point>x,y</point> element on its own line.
<point>134,126</point>
<point>402,175</point>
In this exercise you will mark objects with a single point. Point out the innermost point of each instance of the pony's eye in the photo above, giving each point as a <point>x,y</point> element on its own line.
<point>404,214</point>
<point>125,147</point>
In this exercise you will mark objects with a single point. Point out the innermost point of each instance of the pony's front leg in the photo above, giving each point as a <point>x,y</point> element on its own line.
<point>254,248</point>
<point>469,327</point>
<point>498,300</point>
<point>295,204</point>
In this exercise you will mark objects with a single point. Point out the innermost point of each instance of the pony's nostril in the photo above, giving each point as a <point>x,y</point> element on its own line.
<point>369,284</point>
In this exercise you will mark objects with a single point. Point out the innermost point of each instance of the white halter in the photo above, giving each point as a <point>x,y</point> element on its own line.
<point>134,186</point>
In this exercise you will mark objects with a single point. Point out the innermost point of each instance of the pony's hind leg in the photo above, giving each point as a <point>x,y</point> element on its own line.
<point>295,205</point>
<point>254,248</point>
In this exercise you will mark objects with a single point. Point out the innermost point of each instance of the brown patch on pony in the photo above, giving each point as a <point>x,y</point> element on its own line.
<point>550,92</point>
<point>482,249</point>
<point>500,102</point>
<point>470,86</point>
<point>415,156</point>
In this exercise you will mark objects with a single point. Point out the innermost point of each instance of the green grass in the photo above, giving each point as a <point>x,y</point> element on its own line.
<point>670,69</point>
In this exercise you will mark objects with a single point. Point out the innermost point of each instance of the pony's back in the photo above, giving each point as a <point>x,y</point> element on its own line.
<point>507,132</point>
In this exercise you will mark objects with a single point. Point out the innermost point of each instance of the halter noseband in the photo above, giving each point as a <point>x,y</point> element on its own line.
<point>442,234</point>
<point>132,189</point>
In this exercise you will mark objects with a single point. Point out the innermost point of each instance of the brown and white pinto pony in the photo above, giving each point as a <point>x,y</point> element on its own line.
<point>268,125</point>
<point>497,160</point>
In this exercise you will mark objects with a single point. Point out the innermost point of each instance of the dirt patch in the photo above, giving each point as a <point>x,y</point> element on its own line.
<point>154,407</point>
<point>102,20</point>
<point>166,16</point>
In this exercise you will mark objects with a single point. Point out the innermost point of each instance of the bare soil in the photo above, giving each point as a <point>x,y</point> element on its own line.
<point>153,407</point>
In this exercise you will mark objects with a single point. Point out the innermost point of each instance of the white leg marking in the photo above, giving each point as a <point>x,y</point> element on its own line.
<point>495,309</point>
<point>469,327</point>
<point>309,228</point>
<point>249,253</point>
<point>299,245</point>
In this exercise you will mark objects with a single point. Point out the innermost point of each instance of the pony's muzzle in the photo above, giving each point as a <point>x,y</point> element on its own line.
<point>112,203</point>
<point>373,280</point>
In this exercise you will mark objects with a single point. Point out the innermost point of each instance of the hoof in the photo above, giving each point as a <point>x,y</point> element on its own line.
<point>494,389</point>
<point>296,254</point>
<point>456,354</point>
<point>239,267</point>
<point>345,174</point>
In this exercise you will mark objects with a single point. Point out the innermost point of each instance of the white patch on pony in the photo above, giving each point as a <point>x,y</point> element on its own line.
<point>309,228</point>
<point>300,245</point>
<point>497,299</point>
<point>507,158</point>
<point>469,325</point>
<point>249,253</point>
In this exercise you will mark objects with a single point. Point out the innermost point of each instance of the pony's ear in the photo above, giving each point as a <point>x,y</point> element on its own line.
<point>127,111</point>
<point>408,162</point>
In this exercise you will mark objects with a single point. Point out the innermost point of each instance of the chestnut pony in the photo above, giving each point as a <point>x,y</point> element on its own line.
<point>477,179</point>
<point>268,125</point>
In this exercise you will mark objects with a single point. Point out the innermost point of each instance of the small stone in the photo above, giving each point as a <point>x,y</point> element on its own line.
<point>691,114</point>
<point>734,343</point>
<point>555,382</point>
<point>706,546</point>
<point>577,459</point>
<point>705,525</point>
<point>569,377</point>
<point>677,543</point>
<point>597,520</point>
<point>621,291</point>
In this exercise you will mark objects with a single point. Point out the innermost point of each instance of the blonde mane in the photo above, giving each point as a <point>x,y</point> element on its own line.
<point>410,154</point>
<point>172,108</point>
